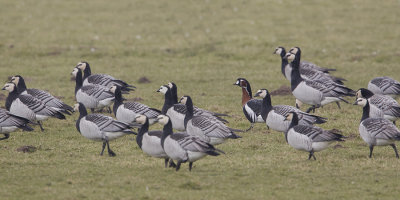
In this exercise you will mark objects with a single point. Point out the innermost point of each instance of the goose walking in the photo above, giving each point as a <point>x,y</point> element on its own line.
<point>380,106</point>
<point>385,86</point>
<point>182,147</point>
<point>309,138</point>
<point>101,128</point>
<point>28,107</point>
<point>207,128</point>
<point>101,79</point>
<point>150,141</point>
<point>315,93</point>
<point>92,96</point>
<point>275,116</point>
<point>251,107</point>
<point>376,131</point>
<point>127,111</point>
<point>10,123</point>
<point>45,97</point>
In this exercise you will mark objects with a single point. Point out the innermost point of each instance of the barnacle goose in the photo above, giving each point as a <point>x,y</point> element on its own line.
<point>274,116</point>
<point>101,128</point>
<point>92,96</point>
<point>28,107</point>
<point>10,123</point>
<point>101,79</point>
<point>251,107</point>
<point>384,85</point>
<point>376,131</point>
<point>207,128</point>
<point>45,97</point>
<point>182,147</point>
<point>308,70</point>
<point>381,106</point>
<point>314,92</point>
<point>197,110</point>
<point>150,141</point>
<point>176,112</point>
<point>309,138</point>
<point>127,111</point>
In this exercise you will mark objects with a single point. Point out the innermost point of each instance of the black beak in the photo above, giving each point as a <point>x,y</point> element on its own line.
<point>286,56</point>
<point>355,103</point>
<point>257,94</point>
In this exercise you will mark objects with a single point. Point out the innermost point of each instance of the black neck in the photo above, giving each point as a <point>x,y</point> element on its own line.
<point>294,122</point>
<point>78,80</point>
<point>87,71</point>
<point>295,76</point>
<point>189,111</point>
<point>168,102</point>
<point>11,97</point>
<point>174,91</point>
<point>266,106</point>
<point>118,100</point>
<point>144,129</point>
<point>365,114</point>
<point>21,87</point>
<point>284,61</point>
<point>167,130</point>
<point>82,113</point>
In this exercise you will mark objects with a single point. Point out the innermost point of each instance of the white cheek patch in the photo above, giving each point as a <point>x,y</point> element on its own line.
<point>278,51</point>
<point>237,83</point>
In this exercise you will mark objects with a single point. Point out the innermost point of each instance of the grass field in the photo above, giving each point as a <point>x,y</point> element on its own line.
<point>203,46</point>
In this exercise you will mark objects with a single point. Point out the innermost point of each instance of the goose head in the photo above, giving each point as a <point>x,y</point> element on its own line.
<point>74,72</point>
<point>361,102</point>
<point>162,119</point>
<point>15,79</point>
<point>141,119</point>
<point>10,87</point>
<point>290,56</point>
<point>279,50</point>
<point>82,65</point>
<point>183,100</point>
<point>164,89</point>
<point>261,93</point>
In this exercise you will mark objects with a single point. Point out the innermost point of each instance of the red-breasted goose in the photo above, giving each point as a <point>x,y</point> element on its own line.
<point>45,97</point>
<point>309,138</point>
<point>100,128</point>
<point>384,85</point>
<point>182,147</point>
<point>28,107</point>
<point>376,131</point>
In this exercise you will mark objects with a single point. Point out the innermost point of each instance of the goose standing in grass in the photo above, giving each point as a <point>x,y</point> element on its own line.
<point>315,93</point>
<point>92,96</point>
<point>275,116</point>
<point>385,86</point>
<point>380,106</point>
<point>197,110</point>
<point>101,79</point>
<point>309,138</point>
<point>10,123</point>
<point>101,128</point>
<point>207,128</point>
<point>150,141</point>
<point>376,131</point>
<point>251,107</point>
<point>45,97</point>
<point>28,107</point>
<point>127,111</point>
<point>182,147</point>
<point>176,112</point>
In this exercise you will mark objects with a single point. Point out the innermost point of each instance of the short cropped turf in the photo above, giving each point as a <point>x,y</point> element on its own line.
<point>203,46</point>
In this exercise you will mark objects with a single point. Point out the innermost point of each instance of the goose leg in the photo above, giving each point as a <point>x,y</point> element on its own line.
<point>92,110</point>
<point>172,164</point>
<point>178,165</point>
<point>395,150</point>
<point>311,155</point>
<point>110,152</point>
<point>6,136</point>
<point>109,109</point>
<point>190,166</point>
<point>40,124</point>
<point>338,104</point>
<point>310,109</point>
<point>104,146</point>
<point>251,126</point>
<point>371,148</point>
<point>166,162</point>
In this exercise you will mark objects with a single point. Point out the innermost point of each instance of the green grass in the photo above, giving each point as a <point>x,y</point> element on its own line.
<point>203,46</point>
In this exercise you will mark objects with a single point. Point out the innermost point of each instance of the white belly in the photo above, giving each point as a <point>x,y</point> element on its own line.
<point>307,94</point>
<point>174,150</point>
<point>276,122</point>
<point>193,156</point>
<point>151,145</point>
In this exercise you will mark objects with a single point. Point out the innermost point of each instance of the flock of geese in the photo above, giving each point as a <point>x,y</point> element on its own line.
<point>198,131</point>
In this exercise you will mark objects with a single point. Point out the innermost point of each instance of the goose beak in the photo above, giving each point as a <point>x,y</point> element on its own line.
<point>257,94</point>
<point>4,88</point>
<point>355,103</point>
<point>286,56</point>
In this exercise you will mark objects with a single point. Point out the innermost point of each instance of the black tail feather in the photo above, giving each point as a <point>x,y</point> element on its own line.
<point>59,115</point>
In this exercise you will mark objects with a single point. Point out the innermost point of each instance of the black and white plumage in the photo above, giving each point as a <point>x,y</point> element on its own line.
<point>274,116</point>
<point>197,110</point>
<point>376,131</point>
<point>309,138</point>
<point>316,93</point>
<point>380,106</point>
<point>92,96</point>
<point>150,141</point>
<point>308,70</point>
<point>182,147</point>
<point>101,128</point>
<point>45,97</point>
<point>205,127</point>
<point>385,86</point>
<point>101,79</point>
<point>28,107</point>
<point>176,112</point>
<point>251,107</point>
<point>10,123</point>
<point>127,111</point>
